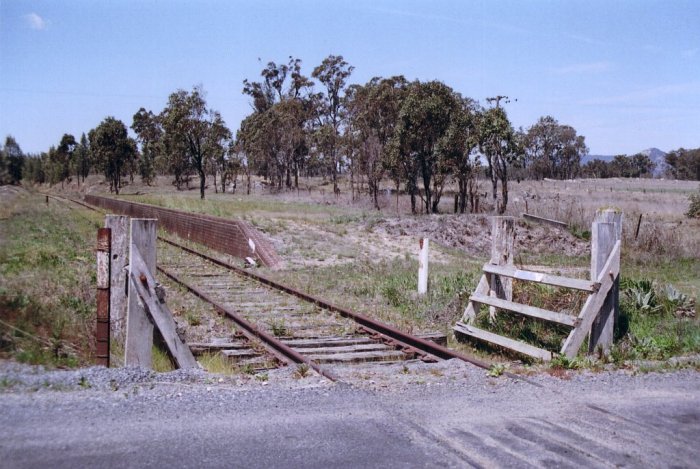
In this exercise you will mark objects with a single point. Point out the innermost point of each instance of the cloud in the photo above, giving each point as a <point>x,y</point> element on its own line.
<point>36,22</point>
<point>592,67</point>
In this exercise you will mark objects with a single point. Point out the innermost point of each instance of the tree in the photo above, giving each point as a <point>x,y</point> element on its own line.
<point>373,111</point>
<point>81,158</point>
<point>61,158</point>
<point>553,150</point>
<point>113,150</point>
<point>421,134</point>
<point>274,137</point>
<point>458,146</point>
<point>333,73</point>
<point>684,164</point>
<point>11,162</point>
<point>148,134</point>
<point>498,143</point>
<point>192,132</point>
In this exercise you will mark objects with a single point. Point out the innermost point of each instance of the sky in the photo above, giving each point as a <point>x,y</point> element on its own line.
<point>624,74</point>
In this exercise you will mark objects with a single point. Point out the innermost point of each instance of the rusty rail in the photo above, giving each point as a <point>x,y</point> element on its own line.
<point>399,338</point>
<point>278,348</point>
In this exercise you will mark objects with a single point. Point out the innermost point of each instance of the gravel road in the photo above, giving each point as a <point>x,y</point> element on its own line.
<point>454,417</point>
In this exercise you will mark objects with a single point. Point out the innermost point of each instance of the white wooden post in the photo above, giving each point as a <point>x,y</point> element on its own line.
<point>423,267</point>
<point>119,225</point>
<point>502,252</point>
<point>605,231</point>
<point>139,329</point>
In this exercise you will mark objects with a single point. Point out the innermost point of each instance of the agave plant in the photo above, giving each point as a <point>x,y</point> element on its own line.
<point>683,305</point>
<point>643,295</point>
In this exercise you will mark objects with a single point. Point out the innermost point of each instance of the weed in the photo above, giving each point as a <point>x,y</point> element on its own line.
<point>563,362</point>
<point>161,360</point>
<point>497,369</point>
<point>278,326</point>
<point>404,370</point>
<point>193,319</point>
<point>217,363</point>
<point>84,383</point>
<point>302,371</point>
<point>262,377</point>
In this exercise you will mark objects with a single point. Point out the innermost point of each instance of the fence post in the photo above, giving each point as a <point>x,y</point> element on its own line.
<point>502,252</point>
<point>605,232</point>
<point>119,224</point>
<point>139,329</point>
<point>423,267</point>
<point>103,288</point>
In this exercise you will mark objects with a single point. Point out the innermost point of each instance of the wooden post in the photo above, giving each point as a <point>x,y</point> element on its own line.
<point>502,253</point>
<point>605,231</point>
<point>423,267</point>
<point>139,329</point>
<point>119,225</point>
<point>103,269</point>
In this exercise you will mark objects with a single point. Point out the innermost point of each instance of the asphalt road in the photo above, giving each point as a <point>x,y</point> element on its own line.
<point>607,420</point>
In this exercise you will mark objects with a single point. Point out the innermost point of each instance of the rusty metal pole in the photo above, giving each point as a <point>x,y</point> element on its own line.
<point>104,241</point>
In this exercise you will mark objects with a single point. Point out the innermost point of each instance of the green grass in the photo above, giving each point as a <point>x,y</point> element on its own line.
<point>47,282</point>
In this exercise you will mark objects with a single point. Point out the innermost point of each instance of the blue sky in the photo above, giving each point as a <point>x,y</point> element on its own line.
<point>625,74</point>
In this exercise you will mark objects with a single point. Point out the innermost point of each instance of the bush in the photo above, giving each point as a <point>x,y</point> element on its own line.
<point>694,208</point>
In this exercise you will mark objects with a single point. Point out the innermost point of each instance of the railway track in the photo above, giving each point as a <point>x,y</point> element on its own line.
<point>279,325</point>
<point>292,328</point>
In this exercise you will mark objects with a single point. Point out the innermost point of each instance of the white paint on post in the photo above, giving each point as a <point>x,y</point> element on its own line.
<point>139,329</point>
<point>423,267</point>
<point>119,224</point>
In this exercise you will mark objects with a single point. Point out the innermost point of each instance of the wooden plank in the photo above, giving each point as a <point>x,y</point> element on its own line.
<point>505,342</point>
<point>502,252</point>
<point>371,347</point>
<point>602,240</point>
<point>144,283</point>
<point>119,224</point>
<point>531,311</point>
<point>472,309</point>
<point>139,329</point>
<point>357,357</point>
<point>539,277</point>
<point>548,221</point>
<point>595,301</point>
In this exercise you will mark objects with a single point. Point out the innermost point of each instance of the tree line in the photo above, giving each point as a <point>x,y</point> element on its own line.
<point>418,136</point>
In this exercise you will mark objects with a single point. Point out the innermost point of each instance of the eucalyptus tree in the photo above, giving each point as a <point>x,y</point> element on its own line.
<point>275,137</point>
<point>373,112</point>
<point>333,74</point>
<point>149,134</point>
<point>193,133</point>
<point>113,150</point>
<point>82,158</point>
<point>458,148</point>
<point>421,141</point>
<point>553,150</point>
<point>11,161</point>
<point>499,143</point>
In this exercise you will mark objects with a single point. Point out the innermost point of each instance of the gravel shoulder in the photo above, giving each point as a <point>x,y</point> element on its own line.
<point>459,417</point>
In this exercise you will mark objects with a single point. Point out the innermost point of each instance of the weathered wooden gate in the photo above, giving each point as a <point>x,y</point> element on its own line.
<point>597,315</point>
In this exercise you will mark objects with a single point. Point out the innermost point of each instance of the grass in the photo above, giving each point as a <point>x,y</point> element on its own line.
<point>47,282</point>
<point>217,363</point>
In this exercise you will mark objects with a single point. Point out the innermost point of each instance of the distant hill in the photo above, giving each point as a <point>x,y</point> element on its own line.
<point>654,154</point>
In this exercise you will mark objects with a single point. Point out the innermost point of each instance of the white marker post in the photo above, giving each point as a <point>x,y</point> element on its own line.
<point>423,267</point>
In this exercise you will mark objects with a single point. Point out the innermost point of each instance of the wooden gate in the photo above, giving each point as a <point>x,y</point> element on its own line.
<point>597,315</point>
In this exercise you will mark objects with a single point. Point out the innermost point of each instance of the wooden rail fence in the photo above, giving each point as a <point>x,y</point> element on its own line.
<point>597,316</point>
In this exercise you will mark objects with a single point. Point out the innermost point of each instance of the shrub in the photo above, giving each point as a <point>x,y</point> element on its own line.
<point>694,208</point>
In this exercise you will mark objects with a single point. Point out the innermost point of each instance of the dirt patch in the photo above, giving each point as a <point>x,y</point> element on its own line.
<point>472,234</point>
